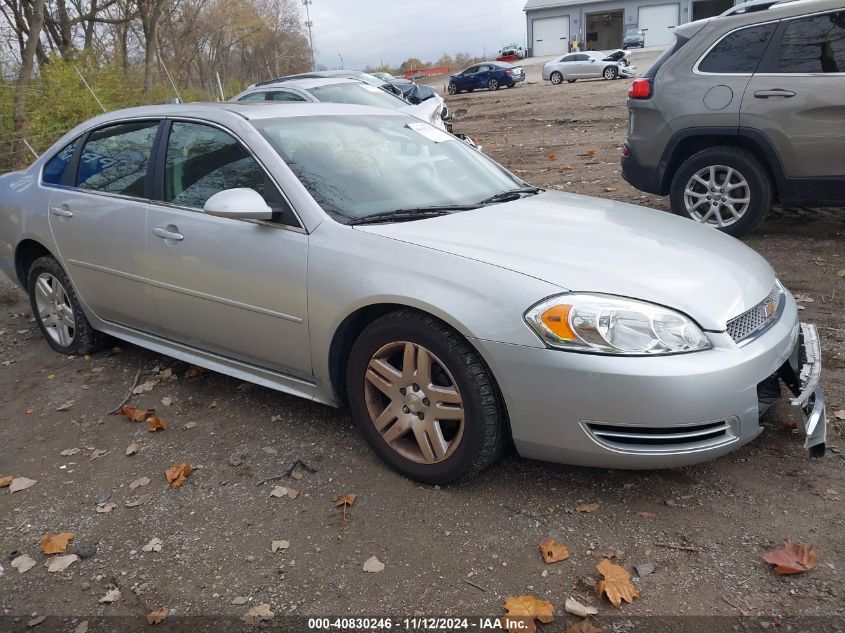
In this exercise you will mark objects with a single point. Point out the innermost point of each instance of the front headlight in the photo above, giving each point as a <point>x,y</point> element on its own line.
<point>607,324</point>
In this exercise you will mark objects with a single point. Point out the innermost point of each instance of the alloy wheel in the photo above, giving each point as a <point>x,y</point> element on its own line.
<point>717,195</point>
<point>557,78</point>
<point>610,72</point>
<point>54,309</point>
<point>493,84</point>
<point>414,402</point>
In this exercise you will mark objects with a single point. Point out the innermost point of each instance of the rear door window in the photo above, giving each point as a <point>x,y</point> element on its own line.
<point>813,45</point>
<point>284,95</point>
<point>254,96</point>
<point>739,52</point>
<point>115,158</point>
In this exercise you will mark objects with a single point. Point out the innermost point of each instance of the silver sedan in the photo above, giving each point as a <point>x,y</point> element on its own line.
<point>357,256</point>
<point>588,65</point>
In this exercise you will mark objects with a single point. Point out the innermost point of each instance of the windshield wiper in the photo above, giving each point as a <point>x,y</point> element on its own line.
<point>404,215</point>
<point>510,194</point>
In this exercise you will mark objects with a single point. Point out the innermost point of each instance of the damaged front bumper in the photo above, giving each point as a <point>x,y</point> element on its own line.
<point>802,373</point>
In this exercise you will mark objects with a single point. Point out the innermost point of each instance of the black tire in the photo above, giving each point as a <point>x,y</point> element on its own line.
<point>747,165</point>
<point>453,88</point>
<point>485,422</point>
<point>610,73</point>
<point>571,81</point>
<point>556,78</point>
<point>85,339</point>
<point>492,83</point>
<point>470,89</point>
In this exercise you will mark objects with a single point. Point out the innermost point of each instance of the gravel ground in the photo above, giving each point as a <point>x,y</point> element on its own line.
<point>458,550</point>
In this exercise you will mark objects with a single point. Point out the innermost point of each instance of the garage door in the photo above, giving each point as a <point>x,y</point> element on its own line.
<point>660,20</point>
<point>551,36</point>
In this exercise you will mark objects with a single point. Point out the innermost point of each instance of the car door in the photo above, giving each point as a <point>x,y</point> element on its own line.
<point>232,287</point>
<point>98,220</point>
<point>468,78</point>
<point>589,66</point>
<point>483,75</point>
<point>796,96</point>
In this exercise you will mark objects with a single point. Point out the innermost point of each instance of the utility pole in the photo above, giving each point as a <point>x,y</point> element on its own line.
<point>341,60</point>
<point>309,24</point>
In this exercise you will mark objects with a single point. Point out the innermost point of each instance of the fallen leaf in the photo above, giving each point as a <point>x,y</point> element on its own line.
<point>136,414</point>
<point>588,507</point>
<point>5,482</point>
<point>177,474</point>
<point>279,491</point>
<point>137,501</point>
<point>36,621</point>
<point>21,483</point>
<point>258,613</point>
<point>616,583</point>
<point>111,595</point>
<point>567,168</point>
<point>66,406</point>
<point>345,500</point>
<point>60,563</point>
<point>297,472</point>
<point>553,552</point>
<point>106,507</point>
<point>193,371</point>
<point>794,558</point>
<point>132,448</point>
<point>292,494</point>
<point>98,452</point>
<point>154,617</point>
<point>141,481</point>
<point>167,401</point>
<point>82,627</point>
<point>520,171</point>
<point>841,273</point>
<point>145,386</point>
<point>584,626</point>
<point>156,424</point>
<point>189,426</point>
<point>23,563</point>
<point>213,405</point>
<point>644,569</point>
<point>591,152</point>
<point>610,189</point>
<point>576,608</point>
<point>525,609</point>
<point>552,157</point>
<point>69,451</point>
<point>153,546</point>
<point>275,546</point>
<point>373,565</point>
<point>840,414</point>
<point>56,543</point>
<point>30,410</point>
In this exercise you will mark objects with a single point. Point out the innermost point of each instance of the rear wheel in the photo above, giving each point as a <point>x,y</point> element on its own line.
<point>424,399</point>
<point>57,310</point>
<point>493,84</point>
<point>725,187</point>
<point>453,88</point>
<point>557,78</point>
<point>611,72</point>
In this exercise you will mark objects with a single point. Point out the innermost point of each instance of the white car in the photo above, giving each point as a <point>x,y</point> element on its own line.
<point>589,65</point>
<point>343,90</point>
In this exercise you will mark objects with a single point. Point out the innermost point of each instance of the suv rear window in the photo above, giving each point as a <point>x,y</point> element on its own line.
<point>738,52</point>
<point>814,45</point>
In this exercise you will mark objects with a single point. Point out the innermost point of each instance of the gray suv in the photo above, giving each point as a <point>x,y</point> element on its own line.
<point>745,108</point>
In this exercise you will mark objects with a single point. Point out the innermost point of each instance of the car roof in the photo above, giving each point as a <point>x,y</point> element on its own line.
<point>766,10</point>
<point>307,82</point>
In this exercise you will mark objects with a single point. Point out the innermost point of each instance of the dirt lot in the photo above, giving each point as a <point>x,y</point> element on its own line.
<point>458,550</point>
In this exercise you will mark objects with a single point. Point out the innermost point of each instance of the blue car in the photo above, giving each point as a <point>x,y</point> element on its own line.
<point>489,75</point>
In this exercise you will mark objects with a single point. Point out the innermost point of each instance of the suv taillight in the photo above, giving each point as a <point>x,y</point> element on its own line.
<point>640,89</point>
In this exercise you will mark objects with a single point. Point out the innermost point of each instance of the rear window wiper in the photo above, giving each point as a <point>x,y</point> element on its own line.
<point>404,215</point>
<point>510,194</point>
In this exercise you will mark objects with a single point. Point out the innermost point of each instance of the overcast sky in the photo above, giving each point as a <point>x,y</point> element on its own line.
<point>390,31</point>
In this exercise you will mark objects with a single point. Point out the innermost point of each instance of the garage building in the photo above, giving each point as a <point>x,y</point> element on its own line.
<point>552,24</point>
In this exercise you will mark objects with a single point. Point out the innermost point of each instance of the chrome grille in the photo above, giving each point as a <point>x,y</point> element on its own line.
<point>649,439</point>
<point>755,318</point>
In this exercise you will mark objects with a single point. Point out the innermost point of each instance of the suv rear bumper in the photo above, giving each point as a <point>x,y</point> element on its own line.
<point>638,175</point>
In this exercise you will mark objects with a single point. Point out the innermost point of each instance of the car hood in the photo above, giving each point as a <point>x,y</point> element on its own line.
<point>590,244</point>
<point>428,110</point>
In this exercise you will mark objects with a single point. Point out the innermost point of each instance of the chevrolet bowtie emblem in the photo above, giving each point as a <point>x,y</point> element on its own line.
<point>770,308</point>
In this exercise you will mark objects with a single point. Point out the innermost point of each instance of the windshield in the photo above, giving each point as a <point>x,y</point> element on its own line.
<point>357,93</point>
<point>633,33</point>
<point>358,166</point>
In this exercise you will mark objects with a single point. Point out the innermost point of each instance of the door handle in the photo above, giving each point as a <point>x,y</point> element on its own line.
<point>776,92</point>
<point>61,212</point>
<point>166,233</point>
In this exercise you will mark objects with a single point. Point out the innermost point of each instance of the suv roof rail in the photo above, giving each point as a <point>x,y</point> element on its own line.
<point>754,5</point>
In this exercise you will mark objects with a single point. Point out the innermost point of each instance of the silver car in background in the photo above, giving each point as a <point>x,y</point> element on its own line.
<point>589,65</point>
<point>357,256</point>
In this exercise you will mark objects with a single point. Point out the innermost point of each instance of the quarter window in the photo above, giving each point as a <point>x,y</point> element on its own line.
<point>739,52</point>
<point>115,158</point>
<point>254,96</point>
<point>284,95</point>
<point>54,170</point>
<point>814,45</point>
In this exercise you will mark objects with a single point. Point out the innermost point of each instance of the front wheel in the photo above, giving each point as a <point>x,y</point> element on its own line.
<point>611,72</point>
<point>453,88</point>
<point>57,310</point>
<point>725,187</point>
<point>493,84</point>
<point>424,399</point>
<point>557,78</point>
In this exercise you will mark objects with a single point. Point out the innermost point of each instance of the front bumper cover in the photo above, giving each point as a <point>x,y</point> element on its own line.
<point>802,374</point>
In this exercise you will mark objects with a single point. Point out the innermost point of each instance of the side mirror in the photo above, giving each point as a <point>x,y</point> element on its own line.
<point>240,204</point>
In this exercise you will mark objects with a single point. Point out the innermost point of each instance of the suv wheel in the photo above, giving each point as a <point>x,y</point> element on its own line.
<point>423,398</point>
<point>725,187</point>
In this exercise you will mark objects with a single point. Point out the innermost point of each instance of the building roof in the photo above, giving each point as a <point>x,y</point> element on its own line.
<point>531,5</point>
